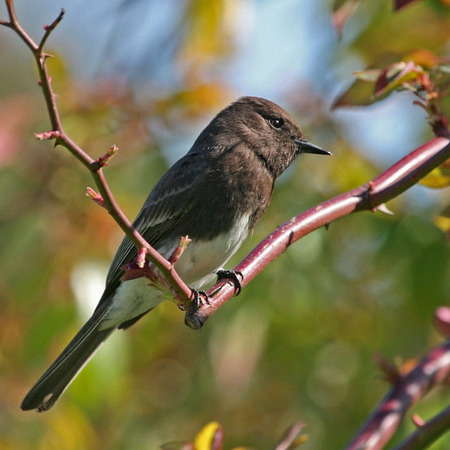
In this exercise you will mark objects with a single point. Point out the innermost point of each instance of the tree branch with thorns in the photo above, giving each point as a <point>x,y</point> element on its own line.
<point>371,196</point>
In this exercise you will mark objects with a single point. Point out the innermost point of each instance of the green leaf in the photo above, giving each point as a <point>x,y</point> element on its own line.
<point>360,93</point>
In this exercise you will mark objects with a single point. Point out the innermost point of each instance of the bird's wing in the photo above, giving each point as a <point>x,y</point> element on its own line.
<point>166,205</point>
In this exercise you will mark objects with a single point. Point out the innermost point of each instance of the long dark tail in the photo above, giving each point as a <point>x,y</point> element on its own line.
<point>58,376</point>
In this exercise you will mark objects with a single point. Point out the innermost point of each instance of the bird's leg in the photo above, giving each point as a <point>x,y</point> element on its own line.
<point>233,276</point>
<point>199,298</point>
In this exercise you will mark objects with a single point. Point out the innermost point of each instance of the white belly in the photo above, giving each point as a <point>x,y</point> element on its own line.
<point>201,260</point>
<point>196,266</point>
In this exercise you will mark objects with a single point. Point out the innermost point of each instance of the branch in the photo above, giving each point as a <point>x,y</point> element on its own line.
<point>434,369</point>
<point>183,294</point>
<point>370,196</point>
<point>427,433</point>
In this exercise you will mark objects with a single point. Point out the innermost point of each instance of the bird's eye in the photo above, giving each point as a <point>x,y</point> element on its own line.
<point>276,122</point>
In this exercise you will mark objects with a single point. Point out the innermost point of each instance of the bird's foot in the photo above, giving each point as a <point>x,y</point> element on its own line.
<point>233,276</point>
<point>199,298</point>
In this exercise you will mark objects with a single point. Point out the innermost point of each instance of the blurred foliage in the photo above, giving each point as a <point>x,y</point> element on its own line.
<point>297,344</point>
<point>438,178</point>
<point>211,437</point>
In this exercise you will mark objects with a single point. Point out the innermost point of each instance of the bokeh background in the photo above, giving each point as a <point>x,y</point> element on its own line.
<point>299,342</point>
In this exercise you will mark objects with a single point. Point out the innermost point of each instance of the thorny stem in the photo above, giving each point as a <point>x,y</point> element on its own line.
<point>182,292</point>
<point>368,197</point>
<point>427,433</point>
<point>432,370</point>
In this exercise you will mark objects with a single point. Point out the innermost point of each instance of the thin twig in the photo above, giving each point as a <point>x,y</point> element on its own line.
<point>49,29</point>
<point>15,25</point>
<point>183,294</point>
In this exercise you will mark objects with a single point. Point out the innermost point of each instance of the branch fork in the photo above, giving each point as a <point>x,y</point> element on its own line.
<point>104,196</point>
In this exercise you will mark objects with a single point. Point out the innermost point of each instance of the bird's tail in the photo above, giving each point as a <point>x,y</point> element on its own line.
<point>59,375</point>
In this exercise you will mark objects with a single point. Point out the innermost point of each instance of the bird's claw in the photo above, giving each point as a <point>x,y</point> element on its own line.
<point>233,276</point>
<point>191,319</point>
<point>200,297</point>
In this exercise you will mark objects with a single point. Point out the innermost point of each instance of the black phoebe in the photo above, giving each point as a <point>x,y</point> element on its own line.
<point>215,194</point>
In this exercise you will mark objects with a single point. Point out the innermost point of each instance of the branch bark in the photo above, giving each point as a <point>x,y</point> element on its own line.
<point>370,196</point>
<point>427,433</point>
<point>431,371</point>
<point>183,294</point>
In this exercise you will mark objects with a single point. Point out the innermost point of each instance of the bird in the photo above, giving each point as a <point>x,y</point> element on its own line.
<point>215,194</point>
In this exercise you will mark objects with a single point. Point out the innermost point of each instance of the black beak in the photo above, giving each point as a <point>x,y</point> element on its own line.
<point>307,147</point>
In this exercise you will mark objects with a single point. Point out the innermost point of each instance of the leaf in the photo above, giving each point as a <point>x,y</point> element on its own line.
<point>396,75</point>
<point>360,93</point>
<point>444,68</point>
<point>439,177</point>
<point>208,34</point>
<point>69,429</point>
<point>373,85</point>
<point>370,75</point>
<point>442,221</point>
<point>196,100</point>
<point>210,437</point>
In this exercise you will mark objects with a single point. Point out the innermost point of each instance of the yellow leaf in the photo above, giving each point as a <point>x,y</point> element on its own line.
<point>438,178</point>
<point>206,436</point>
<point>442,221</point>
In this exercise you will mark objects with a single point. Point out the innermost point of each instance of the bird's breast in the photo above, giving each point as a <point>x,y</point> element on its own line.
<point>203,258</point>
<point>196,266</point>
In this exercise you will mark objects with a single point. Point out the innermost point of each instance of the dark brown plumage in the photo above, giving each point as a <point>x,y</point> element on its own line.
<point>215,194</point>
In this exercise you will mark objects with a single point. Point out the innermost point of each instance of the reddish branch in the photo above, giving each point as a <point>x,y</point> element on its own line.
<point>433,370</point>
<point>427,432</point>
<point>370,196</point>
<point>407,389</point>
